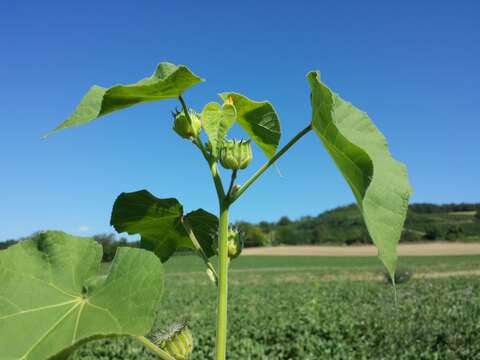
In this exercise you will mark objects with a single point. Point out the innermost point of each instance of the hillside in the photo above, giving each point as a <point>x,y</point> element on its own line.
<point>344,225</point>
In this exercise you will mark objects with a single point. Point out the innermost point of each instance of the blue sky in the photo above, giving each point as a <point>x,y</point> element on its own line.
<point>413,66</point>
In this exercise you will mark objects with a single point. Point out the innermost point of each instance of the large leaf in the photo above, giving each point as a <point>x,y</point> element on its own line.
<point>216,120</point>
<point>158,221</point>
<point>205,226</point>
<point>51,299</point>
<point>167,82</point>
<point>379,182</point>
<point>259,119</point>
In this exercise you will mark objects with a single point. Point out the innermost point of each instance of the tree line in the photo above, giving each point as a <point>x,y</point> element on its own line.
<point>339,226</point>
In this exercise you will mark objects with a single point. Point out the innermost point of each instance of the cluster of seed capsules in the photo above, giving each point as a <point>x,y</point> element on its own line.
<point>233,154</point>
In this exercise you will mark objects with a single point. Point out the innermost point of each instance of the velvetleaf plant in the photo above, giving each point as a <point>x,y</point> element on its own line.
<point>73,304</point>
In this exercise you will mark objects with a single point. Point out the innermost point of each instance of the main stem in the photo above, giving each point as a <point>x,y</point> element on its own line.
<point>221,340</point>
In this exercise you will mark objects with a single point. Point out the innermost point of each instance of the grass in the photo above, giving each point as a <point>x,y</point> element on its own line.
<point>282,308</point>
<point>183,264</point>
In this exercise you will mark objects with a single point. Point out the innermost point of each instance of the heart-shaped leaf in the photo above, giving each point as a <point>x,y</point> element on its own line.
<point>259,119</point>
<point>167,82</point>
<point>216,120</point>
<point>51,299</point>
<point>379,182</point>
<point>159,223</point>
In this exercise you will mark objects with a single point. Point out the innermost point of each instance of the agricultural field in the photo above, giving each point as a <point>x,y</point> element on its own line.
<point>293,307</point>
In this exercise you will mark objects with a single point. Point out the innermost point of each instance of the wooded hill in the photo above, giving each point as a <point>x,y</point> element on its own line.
<point>341,226</point>
<point>344,225</point>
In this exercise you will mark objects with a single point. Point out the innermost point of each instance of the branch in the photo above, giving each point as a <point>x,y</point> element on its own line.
<point>274,158</point>
<point>162,354</point>
<point>211,163</point>
<point>232,181</point>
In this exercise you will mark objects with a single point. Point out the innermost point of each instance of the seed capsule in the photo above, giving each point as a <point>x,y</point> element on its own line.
<point>177,340</point>
<point>235,154</point>
<point>182,126</point>
<point>234,244</point>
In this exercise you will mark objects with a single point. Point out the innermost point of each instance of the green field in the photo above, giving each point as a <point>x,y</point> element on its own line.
<point>322,308</point>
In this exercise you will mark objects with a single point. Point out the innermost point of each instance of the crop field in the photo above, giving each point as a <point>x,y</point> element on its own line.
<point>289,307</point>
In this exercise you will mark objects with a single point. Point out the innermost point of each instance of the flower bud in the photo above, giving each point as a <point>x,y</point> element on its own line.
<point>211,276</point>
<point>182,126</point>
<point>177,340</point>
<point>234,244</point>
<point>235,154</point>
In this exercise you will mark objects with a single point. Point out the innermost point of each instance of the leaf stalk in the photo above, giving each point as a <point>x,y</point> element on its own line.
<point>162,354</point>
<point>270,162</point>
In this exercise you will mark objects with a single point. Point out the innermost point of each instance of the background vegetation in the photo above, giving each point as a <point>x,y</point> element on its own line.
<point>341,226</point>
<point>322,308</point>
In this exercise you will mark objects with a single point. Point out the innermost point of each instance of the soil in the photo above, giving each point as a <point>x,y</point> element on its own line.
<point>431,249</point>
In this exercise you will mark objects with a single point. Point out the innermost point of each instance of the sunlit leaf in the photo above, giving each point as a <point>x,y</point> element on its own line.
<point>216,120</point>
<point>158,221</point>
<point>167,82</point>
<point>259,120</point>
<point>51,299</point>
<point>379,182</point>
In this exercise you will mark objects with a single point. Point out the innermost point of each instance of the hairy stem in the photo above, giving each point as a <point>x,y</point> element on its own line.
<point>185,109</point>
<point>232,182</point>
<point>221,339</point>
<point>213,169</point>
<point>211,162</point>
<point>199,249</point>
<point>269,163</point>
<point>162,354</point>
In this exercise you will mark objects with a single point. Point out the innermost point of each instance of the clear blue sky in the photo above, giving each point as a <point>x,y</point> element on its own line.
<point>414,66</point>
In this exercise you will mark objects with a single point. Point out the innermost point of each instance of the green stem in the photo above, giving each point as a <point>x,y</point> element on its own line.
<point>185,109</point>
<point>162,354</point>
<point>211,162</point>
<point>213,169</point>
<point>198,247</point>
<point>274,158</point>
<point>232,182</point>
<point>221,339</point>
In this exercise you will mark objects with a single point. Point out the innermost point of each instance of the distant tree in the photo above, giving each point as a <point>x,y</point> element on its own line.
<point>109,245</point>
<point>252,235</point>
<point>7,243</point>
<point>432,233</point>
<point>409,236</point>
<point>357,236</point>
<point>265,226</point>
<point>286,235</point>
<point>284,220</point>
<point>322,234</point>
<point>454,232</point>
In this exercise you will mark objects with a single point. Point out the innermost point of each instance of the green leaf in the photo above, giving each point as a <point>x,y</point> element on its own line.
<point>216,120</point>
<point>379,182</point>
<point>205,226</point>
<point>159,223</point>
<point>49,303</point>
<point>167,82</point>
<point>259,119</point>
